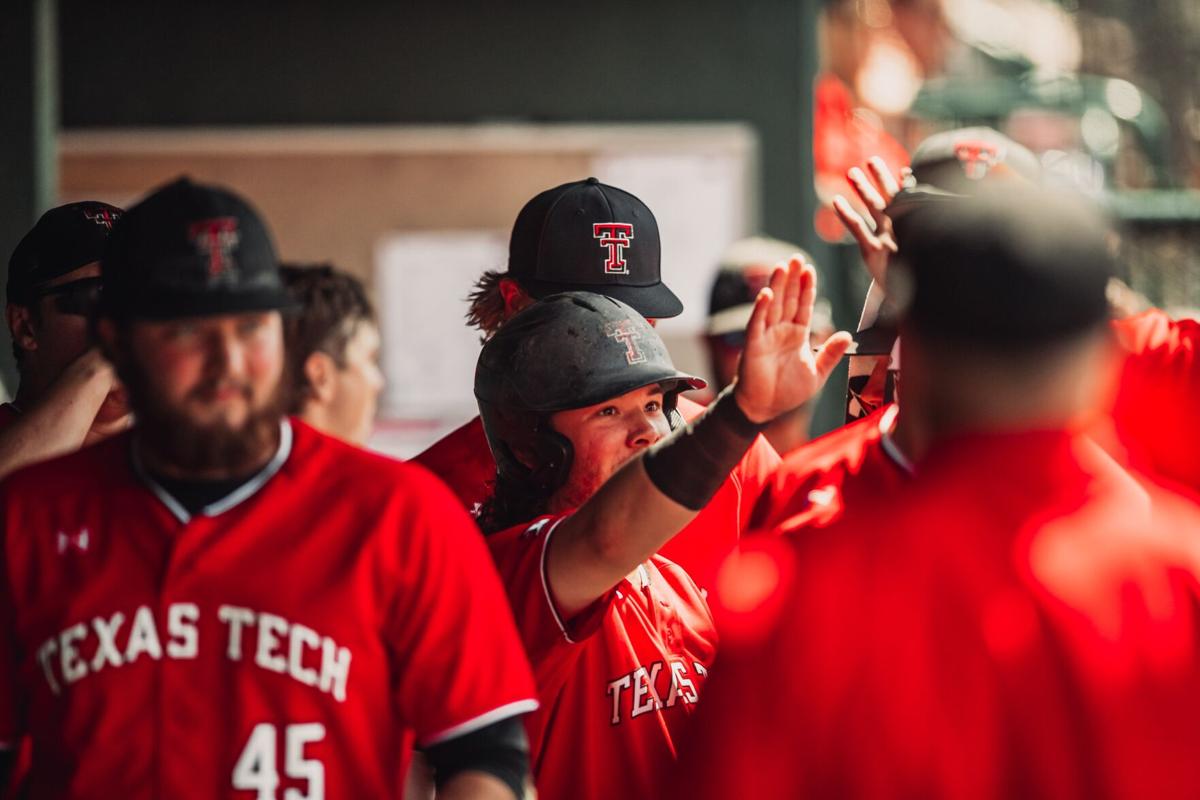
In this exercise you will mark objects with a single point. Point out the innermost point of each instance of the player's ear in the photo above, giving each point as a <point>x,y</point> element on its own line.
<point>319,372</point>
<point>20,325</point>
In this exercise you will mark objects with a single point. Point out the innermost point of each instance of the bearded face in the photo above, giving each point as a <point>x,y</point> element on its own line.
<point>208,393</point>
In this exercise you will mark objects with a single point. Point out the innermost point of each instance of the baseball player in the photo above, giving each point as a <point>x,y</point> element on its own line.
<point>225,603</point>
<point>593,237</point>
<point>745,267</point>
<point>577,395</point>
<point>333,352</point>
<point>1021,622</point>
<point>67,394</point>
<point>873,454</point>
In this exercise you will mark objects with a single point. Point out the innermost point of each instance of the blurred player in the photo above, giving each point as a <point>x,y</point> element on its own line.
<point>871,456</point>
<point>577,395</point>
<point>226,603</point>
<point>593,237</point>
<point>1021,622</point>
<point>333,352</point>
<point>745,268</point>
<point>67,394</point>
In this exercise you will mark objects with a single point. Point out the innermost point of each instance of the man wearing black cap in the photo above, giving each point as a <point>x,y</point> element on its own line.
<point>588,236</point>
<point>225,600</point>
<point>862,462</point>
<point>1021,622</point>
<point>67,394</point>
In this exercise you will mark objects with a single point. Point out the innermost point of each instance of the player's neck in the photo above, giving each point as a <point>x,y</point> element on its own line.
<point>248,463</point>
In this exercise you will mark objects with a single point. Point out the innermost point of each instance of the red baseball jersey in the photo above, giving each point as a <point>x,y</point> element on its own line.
<point>291,641</point>
<point>1022,623</point>
<point>1156,409</point>
<point>464,461</point>
<point>852,465</point>
<point>617,682</point>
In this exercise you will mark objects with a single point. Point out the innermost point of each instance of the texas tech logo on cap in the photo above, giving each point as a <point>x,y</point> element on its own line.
<point>615,236</point>
<point>978,158</point>
<point>215,239</point>
<point>103,217</point>
<point>626,334</point>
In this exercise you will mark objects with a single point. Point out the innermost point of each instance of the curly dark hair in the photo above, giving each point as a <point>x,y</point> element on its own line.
<point>333,304</point>
<point>486,311</point>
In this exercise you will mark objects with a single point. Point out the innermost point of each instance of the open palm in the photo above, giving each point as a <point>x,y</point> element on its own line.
<point>779,369</point>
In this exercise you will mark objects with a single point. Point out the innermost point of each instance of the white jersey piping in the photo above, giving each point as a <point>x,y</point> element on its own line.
<point>238,495</point>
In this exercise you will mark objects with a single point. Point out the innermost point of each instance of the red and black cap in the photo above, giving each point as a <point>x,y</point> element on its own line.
<point>960,160</point>
<point>587,236</point>
<point>63,240</point>
<point>191,250</point>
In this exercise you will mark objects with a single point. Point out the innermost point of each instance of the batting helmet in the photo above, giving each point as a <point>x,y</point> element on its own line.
<point>569,350</point>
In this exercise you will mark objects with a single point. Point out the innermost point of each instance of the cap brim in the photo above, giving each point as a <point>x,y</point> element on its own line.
<point>655,301</point>
<point>186,305</point>
<point>729,320</point>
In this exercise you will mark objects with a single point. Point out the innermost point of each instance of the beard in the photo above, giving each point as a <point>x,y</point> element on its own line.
<point>217,449</point>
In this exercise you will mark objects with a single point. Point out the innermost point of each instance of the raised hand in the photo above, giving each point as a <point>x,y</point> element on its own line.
<point>779,369</point>
<point>876,240</point>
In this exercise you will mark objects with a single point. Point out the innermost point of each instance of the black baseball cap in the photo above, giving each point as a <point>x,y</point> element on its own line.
<point>1011,268</point>
<point>191,250</point>
<point>63,240</point>
<point>746,267</point>
<point>587,236</point>
<point>947,166</point>
<point>959,161</point>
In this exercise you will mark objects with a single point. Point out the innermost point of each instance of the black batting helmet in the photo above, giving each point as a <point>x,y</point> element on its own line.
<point>566,351</point>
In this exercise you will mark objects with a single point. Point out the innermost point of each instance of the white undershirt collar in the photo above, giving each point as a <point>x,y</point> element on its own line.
<point>887,424</point>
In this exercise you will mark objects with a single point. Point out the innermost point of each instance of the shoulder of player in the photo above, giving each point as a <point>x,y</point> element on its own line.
<point>88,467</point>
<point>361,467</point>
<point>846,444</point>
<point>463,440</point>
<point>1153,331</point>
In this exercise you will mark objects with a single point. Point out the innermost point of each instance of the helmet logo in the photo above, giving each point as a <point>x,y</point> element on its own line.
<point>626,334</point>
<point>103,217</point>
<point>615,236</point>
<point>978,158</point>
<point>215,239</point>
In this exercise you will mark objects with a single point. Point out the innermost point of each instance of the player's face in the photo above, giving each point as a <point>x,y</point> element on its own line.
<point>357,386</point>
<point>211,371</point>
<point>57,334</point>
<point>607,435</point>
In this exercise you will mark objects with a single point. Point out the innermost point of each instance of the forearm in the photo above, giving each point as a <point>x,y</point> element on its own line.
<point>58,423</point>
<point>475,786</point>
<point>646,503</point>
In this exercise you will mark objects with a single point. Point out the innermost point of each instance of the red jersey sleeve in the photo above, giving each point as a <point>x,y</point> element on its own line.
<point>451,618</point>
<point>520,554</point>
<point>10,727</point>
<point>755,472</point>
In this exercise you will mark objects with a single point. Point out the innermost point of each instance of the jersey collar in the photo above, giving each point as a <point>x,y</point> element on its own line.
<point>238,495</point>
<point>887,424</point>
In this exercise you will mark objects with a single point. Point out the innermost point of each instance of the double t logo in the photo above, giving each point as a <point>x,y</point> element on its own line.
<point>616,237</point>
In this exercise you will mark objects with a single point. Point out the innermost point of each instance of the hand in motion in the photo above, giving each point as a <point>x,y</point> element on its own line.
<point>779,369</point>
<point>876,240</point>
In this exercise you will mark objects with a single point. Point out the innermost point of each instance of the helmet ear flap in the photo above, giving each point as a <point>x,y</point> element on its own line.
<point>671,406</point>
<point>554,456</point>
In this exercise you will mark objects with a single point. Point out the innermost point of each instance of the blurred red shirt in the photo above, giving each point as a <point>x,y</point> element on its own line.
<point>1157,408</point>
<point>1021,623</point>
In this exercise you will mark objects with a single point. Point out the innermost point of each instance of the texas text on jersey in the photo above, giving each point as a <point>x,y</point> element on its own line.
<point>282,643</point>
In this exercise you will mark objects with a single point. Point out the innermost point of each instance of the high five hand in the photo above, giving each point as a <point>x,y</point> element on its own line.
<point>876,241</point>
<point>779,369</point>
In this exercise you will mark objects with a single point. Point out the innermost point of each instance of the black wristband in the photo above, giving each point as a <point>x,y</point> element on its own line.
<point>500,750</point>
<point>691,465</point>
